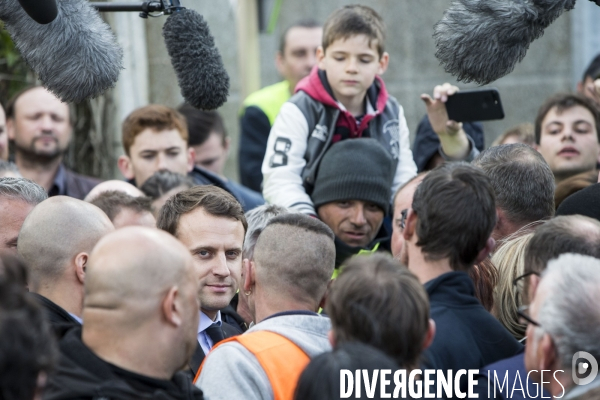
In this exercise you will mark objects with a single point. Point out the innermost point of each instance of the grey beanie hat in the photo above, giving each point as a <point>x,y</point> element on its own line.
<point>355,169</point>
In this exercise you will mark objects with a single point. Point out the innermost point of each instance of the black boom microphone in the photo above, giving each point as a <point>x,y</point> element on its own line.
<point>41,11</point>
<point>202,77</point>
<point>482,40</point>
<point>76,56</point>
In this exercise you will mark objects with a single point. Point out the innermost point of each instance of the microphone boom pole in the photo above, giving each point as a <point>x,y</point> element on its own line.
<point>144,8</point>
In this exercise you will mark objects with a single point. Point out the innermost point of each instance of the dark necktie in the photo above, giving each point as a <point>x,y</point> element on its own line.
<point>215,333</point>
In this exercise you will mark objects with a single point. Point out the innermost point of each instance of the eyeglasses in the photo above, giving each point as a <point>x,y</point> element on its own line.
<point>519,281</point>
<point>524,317</point>
<point>403,215</point>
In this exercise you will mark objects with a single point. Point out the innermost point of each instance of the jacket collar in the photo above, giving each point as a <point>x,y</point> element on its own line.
<point>344,251</point>
<point>53,308</point>
<point>452,288</point>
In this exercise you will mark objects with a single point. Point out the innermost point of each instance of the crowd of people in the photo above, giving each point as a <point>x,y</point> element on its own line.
<point>342,250</point>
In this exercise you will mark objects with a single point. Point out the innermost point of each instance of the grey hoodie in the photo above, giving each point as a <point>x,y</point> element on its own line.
<point>232,372</point>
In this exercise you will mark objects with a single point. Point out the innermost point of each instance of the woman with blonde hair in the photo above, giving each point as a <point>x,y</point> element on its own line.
<point>509,259</point>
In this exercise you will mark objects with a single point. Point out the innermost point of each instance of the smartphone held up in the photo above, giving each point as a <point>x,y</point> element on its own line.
<point>475,105</point>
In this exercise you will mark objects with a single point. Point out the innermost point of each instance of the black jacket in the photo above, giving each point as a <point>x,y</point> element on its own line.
<point>381,243</point>
<point>427,142</point>
<point>69,183</point>
<point>82,375</point>
<point>55,314</point>
<point>467,336</point>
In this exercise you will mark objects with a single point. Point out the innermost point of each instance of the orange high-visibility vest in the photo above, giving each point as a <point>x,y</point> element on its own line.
<point>281,359</point>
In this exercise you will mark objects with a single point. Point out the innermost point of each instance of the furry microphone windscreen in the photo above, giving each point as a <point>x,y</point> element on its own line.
<point>482,40</point>
<point>76,56</point>
<point>200,71</point>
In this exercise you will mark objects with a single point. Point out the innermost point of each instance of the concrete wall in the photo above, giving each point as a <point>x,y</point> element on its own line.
<point>548,67</point>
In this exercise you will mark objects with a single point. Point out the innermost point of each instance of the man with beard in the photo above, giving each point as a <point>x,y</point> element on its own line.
<point>39,125</point>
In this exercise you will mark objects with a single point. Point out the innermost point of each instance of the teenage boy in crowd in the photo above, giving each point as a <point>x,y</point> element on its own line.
<point>155,138</point>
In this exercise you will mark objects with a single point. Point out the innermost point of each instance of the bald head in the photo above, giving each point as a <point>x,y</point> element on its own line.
<point>113,185</point>
<point>135,266</point>
<point>141,294</point>
<point>55,232</point>
<point>295,254</point>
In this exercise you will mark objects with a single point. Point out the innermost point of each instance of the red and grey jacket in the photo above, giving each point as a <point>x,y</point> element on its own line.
<point>310,122</point>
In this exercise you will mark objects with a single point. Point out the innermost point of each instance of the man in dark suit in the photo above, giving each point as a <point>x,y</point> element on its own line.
<point>40,126</point>
<point>210,222</point>
<point>55,241</point>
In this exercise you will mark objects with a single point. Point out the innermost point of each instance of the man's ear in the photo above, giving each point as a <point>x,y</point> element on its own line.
<point>499,219</point>
<point>430,335</point>
<point>125,166</point>
<point>10,128</point>
<point>248,269</point>
<point>226,144</point>
<point>331,337</point>
<point>191,154</point>
<point>490,245</point>
<point>171,308</point>
<point>410,225</point>
<point>81,260</point>
<point>321,57</point>
<point>324,299</point>
<point>532,286</point>
<point>547,353</point>
<point>279,61</point>
<point>383,63</point>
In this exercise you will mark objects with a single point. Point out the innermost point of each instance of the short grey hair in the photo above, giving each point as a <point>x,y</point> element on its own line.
<point>257,219</point>
<point>22,189</point>
<point>9,166</point>
<point>522,180</point>
<point>570,313</point>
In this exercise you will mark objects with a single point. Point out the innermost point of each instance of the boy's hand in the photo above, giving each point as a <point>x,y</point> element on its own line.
<point>452,137</point>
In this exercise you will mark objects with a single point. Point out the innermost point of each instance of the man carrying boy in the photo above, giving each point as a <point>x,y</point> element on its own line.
<point>344,98</point>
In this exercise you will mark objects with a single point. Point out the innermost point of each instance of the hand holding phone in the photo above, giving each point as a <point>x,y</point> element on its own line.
<point>475,105</point>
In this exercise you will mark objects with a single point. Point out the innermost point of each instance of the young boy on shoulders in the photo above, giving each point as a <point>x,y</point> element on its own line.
<point>343,98</point>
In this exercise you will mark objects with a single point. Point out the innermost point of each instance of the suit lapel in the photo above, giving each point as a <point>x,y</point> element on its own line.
<point>196,359</point>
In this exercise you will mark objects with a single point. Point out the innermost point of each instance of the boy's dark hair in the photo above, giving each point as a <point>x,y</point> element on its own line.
<point>593,69</point>
<point>353,20</point>
<point>320,380</point>
<point>201,124</point>
<point>522,180</point>
<point>214,200</point>
<point>27,347</point>
<point>563,102</point>
<point>563,234</point>
<point>456,213</point>
<point>113,201</point>
<point>303,23</point>
<point>377,301</point>
<point>162,182</point>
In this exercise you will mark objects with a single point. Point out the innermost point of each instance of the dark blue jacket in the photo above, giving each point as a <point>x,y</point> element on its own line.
<point>467,336</point>
<point>509,367</point>
<point>248,198</point>
<point>427,142</point>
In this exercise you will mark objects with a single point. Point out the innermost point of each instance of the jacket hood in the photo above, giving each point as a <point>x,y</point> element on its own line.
<point>317,87</point>
<point>309,332</point>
